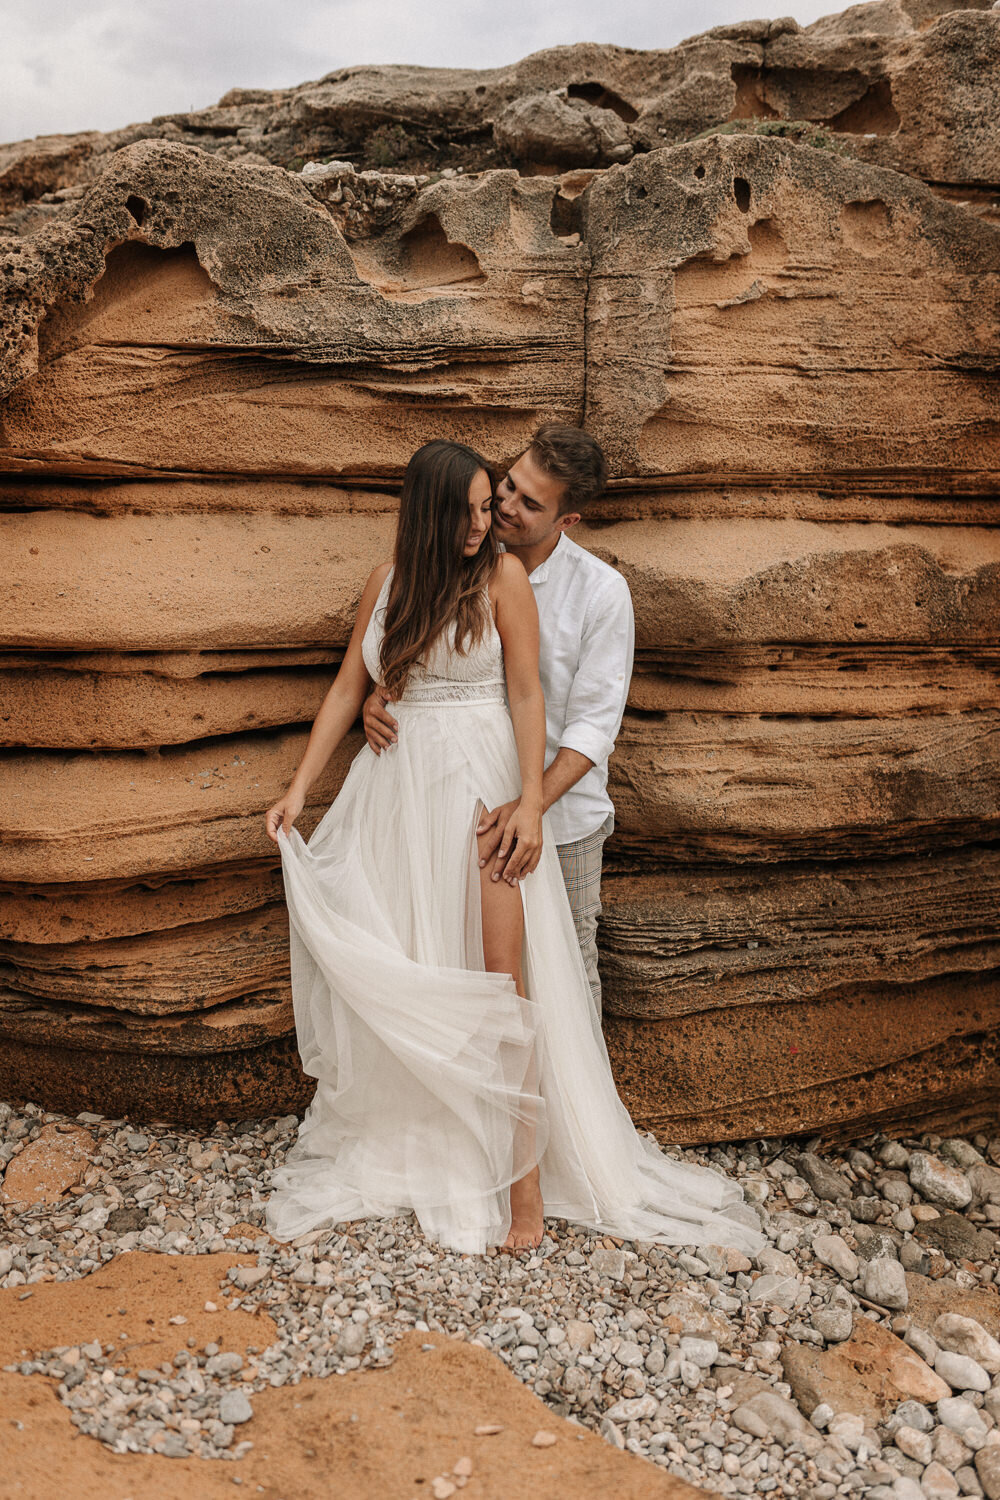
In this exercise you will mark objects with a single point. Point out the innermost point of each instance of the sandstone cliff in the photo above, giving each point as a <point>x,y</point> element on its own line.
<point>214,370</point>
<point>909,84</point>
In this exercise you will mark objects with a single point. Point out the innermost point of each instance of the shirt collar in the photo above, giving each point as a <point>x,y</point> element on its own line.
<point>541,573</point>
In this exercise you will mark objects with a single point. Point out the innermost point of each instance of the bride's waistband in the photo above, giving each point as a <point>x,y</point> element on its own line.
<point>486,696</point>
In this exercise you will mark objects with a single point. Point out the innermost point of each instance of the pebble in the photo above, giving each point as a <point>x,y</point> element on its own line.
<point>834,1322</point>
<point>644,1344</point>
<point>965,1336</point>
<point>234,1407</point>
<point>987,1464</point>
<point>913,1443</point>
<point>961,1416</point>
<point>826,1182</point>
<point>938,1182</point>
<point>884,1281</point>
<point>832,1251</point>
<point>961,1373</point>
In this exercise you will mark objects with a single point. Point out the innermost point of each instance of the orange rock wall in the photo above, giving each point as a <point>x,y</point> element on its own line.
<point>211,392</point>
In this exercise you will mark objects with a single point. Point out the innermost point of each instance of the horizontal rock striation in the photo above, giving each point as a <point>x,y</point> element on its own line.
<point>214,371</point>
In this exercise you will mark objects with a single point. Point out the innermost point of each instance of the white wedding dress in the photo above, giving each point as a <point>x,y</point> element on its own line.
<point>437,1085</point>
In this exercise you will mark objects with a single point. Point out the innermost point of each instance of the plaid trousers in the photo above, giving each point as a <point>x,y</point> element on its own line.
<point>581,868</point>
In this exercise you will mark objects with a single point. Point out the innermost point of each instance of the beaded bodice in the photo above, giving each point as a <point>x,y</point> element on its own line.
<point>447,676</point>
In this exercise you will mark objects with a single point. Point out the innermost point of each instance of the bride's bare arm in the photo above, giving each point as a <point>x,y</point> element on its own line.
<point>517,622</point>
<point>337,713</point>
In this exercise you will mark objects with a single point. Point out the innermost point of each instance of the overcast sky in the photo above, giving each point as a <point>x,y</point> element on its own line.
<point>69,65</point>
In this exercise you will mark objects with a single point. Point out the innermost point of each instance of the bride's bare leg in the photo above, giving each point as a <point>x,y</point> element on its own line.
<point>503,932</point>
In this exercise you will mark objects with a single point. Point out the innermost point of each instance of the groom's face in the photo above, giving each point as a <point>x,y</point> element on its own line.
<point>526,504</point>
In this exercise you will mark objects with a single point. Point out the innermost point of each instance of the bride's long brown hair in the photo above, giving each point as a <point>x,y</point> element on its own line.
<point>433,583</point>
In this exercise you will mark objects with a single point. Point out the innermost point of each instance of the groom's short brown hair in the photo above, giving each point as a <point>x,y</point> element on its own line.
<point>574,456</point>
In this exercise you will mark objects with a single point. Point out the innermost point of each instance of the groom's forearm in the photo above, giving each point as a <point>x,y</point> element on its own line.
<point>565,771</point>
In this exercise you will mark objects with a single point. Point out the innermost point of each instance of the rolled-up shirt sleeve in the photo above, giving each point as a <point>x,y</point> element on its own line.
<point>597,696</point>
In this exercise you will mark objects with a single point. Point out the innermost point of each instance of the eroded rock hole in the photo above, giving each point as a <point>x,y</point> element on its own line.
<point>873,114</point>
<point>137,207</point>
<point>566,218</point>
<point>145,295</point>
<point>749,103</point>
<point>699,171</point>
<point>596,93</point>
<point>431,259</point>
<point>741,192</point>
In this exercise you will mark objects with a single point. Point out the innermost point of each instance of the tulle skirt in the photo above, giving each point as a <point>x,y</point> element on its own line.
<point>437,1084</point>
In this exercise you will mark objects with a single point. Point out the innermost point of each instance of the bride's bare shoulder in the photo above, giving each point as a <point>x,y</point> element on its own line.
<point>510,578</point>
<point>378,575</point>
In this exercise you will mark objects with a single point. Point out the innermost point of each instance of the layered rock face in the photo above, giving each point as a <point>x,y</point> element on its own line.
<point>214,373</point>
<point>909,84</point>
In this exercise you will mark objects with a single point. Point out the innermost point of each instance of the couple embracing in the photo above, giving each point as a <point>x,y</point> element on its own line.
<point>443,914</point>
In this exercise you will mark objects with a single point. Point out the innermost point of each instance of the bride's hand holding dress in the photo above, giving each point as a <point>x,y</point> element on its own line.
<point>337,713</point>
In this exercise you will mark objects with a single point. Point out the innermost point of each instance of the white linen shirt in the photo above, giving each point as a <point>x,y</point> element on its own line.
<point>587,642</point>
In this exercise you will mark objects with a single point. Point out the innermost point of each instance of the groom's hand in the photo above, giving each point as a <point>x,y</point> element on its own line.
<point>491,829</point>
<point>380,726</point>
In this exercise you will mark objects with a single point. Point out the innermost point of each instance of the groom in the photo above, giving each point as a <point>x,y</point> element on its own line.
<point>587,638</point>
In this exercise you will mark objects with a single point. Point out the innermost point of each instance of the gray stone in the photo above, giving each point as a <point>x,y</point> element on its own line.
<point>610,1263</point>
<point>352,1339</point>
<point>550,129</point>
<point>956,1237</point>
<point>938,1182</point>
<point>827,1183</point>
<point>781,1290</point>
<point>747,1419</point>
<point>966,1477</point>
<point>638,1409</point>
<point>894,1188</point>
<point>987,1462</point>
<point>950,1450</point>
<point>962,1417</point>
<point>777,1262</point>
<point>961,1373</point>
<point>913,1258</point>
<point>962,1153</point>
<point>834,1322</point>
<point>877,1245</point>
<point>966,1336</point>
<point>833,1252</point>
<point>234,1408</point>
<point>920,1340</point>
<point>884,1281</point>
<point>701,1352</point>
<point>905,1487</point>
<point>984,1181</point>
<point>893,1155</point>
<point>915,1414</point>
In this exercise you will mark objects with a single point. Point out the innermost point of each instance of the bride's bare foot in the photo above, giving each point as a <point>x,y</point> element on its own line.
<point>526,1210</point>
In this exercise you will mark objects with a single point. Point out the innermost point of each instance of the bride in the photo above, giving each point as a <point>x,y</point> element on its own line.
<point>447,1018</point>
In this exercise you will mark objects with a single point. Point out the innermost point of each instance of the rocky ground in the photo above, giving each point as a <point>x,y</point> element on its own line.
<point>858,1355</point>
